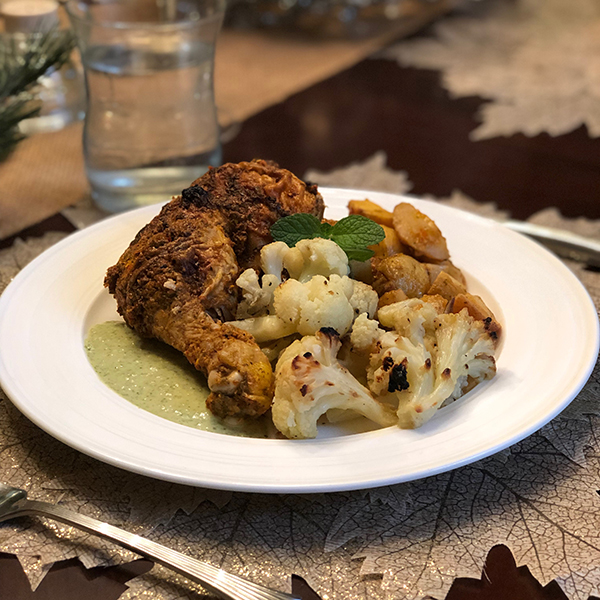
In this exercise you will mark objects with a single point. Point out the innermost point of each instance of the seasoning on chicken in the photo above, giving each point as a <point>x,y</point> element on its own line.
<point>176,281</point>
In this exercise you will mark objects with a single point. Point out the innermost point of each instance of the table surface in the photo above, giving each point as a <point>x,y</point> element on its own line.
<point>374,106</point>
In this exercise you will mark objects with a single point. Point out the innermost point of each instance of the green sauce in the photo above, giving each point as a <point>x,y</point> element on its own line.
<point>158,378</point>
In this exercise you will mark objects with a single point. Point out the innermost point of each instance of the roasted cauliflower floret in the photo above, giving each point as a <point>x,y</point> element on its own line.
<point>322,302</point>
<point>363,299</point>
<point>465,348</point>
<point>428,358</point>
<point>266,328</point>
<point>411,318</point>
<point>310,381</point>
<point>319,257</point>
<point>365,334</point>
<point>257,295</point>
<point>305,308</point>
<point>306,259</point>
<point>302,262</point>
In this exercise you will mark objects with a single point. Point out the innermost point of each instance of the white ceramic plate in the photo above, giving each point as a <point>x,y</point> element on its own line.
<point>549,348</point>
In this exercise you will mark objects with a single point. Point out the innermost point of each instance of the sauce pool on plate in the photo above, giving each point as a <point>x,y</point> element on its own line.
<point>158,378</point>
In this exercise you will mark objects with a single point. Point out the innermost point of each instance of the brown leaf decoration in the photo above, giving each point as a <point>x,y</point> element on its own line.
<point>69,580</point>
<point>301,589</point>
<point>502,579</point>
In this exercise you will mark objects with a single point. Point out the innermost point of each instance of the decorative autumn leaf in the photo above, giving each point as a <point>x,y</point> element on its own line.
<point>69,580</point>
<point>302,590</point>
<point>533,60</point>
<point>502,579</point>
<point>354,519</point>
<point>577,426</point>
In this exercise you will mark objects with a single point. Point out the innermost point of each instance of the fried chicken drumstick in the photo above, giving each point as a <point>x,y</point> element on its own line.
<point>176,281</point>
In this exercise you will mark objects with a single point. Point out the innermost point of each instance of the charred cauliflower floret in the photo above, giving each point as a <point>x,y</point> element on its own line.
<point>466,349</point>
<point>428,358</point>
<point>310,381</point>
<point>306,307</point>
<point>318,303</point>
<point>302,262</point>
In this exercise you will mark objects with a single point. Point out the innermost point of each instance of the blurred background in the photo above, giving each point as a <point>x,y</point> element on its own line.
<point>497,101</point>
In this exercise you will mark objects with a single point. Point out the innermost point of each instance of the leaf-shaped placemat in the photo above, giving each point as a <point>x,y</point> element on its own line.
<point>535,61</point>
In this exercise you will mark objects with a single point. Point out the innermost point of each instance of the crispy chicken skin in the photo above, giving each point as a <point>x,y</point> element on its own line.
<point>252,196</point>
<point>176,281</point>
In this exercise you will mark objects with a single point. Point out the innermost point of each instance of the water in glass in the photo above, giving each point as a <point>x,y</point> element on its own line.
<point>151,126</point>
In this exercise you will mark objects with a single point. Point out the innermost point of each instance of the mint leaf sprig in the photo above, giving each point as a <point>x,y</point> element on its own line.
<point>352,234</point>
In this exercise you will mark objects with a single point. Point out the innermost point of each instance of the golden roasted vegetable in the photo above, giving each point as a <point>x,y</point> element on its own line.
<point>391,298</point>
<point>479,310</point>
<point>417,231</point>
<point>434,269</point>
<point>372,211</point>
<point>390,245</point>
<point>439,302</point>
<point>400,272</point>
<point>446,286</point>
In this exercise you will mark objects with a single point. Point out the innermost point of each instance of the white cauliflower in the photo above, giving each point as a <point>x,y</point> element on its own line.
<point>365,334</point>
<point>465,348</point>
<point>306,307</point>
<point>412,318</point>
<point>315,257</point>
<point>428,359</point>
<point>266,328</point>
<point>323,302</point>
<point>364,298</point>
<point>257,295</point>
<point>307,259</point>
<point>320,302</point>
<point>310,381</point>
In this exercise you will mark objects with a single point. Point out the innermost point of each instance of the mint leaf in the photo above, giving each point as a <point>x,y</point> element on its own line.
<point>358,254</point>
<point>294,228</point>
<point>352,234</point>
<point>326,230</point>
<point>356,232</point>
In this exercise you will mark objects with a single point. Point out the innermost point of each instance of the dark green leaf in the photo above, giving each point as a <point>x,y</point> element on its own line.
<point>360,254</point>
<point>356,231</point>
<point>326,230</point>
<point>296,227</point>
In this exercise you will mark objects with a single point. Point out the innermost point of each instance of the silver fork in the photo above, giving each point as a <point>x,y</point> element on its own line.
<point>14,503</point>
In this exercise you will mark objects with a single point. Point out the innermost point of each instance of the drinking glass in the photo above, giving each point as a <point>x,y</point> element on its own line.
<point>151,124</point>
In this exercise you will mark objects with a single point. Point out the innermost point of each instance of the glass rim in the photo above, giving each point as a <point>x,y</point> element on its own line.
<point>76,13</point>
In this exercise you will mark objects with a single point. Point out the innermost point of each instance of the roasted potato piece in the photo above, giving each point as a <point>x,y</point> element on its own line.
<point>391,298</point>
<point>446,286</point>
<point>400,272</point>
<point>419,233</point>
<point>372,211</point>
<point>479,310</point>
<point>390,245</point>
<point>439,302</point>
<point>435,269</point>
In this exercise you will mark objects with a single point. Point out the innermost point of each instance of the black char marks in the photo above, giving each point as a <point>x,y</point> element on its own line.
<point>398,378</point>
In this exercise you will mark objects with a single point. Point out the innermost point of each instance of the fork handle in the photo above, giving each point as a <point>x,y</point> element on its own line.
<point>223,584</point>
